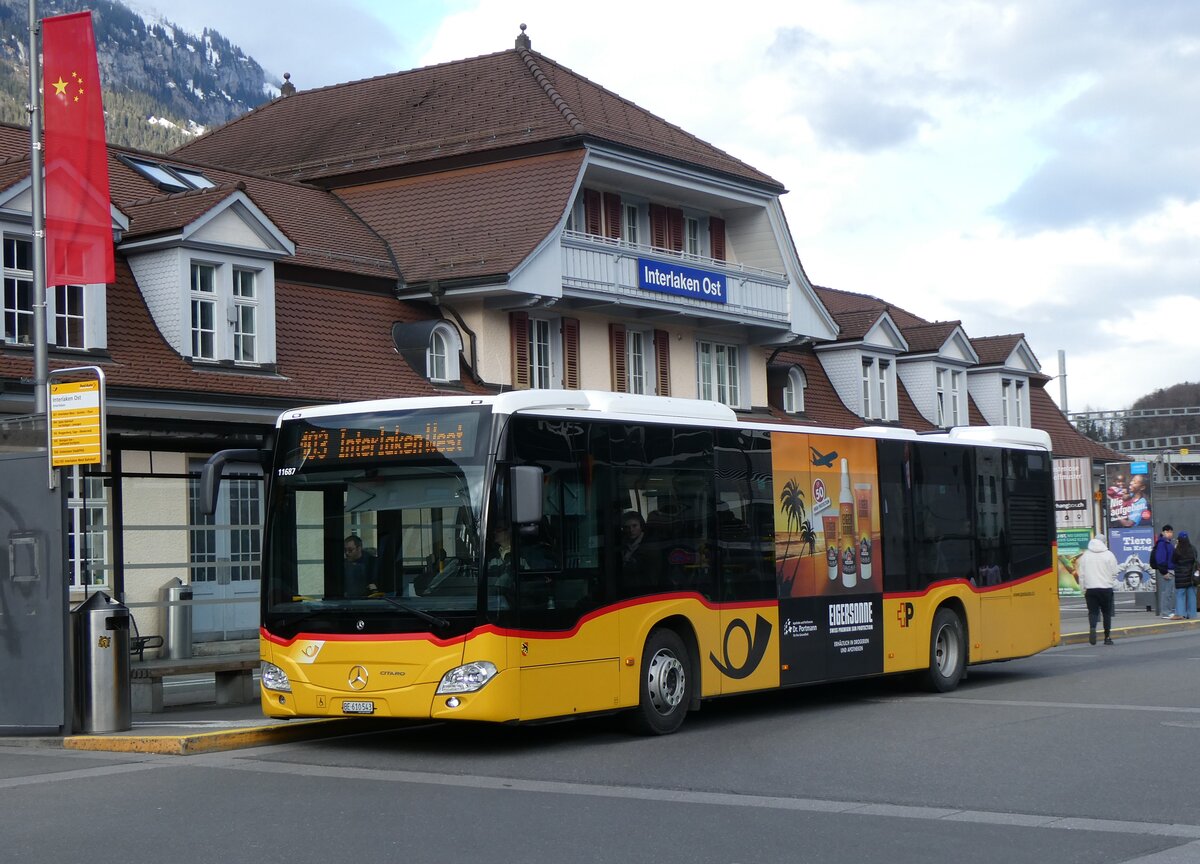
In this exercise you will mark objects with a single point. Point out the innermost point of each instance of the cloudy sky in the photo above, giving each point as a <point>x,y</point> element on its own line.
<point>1024,167</point>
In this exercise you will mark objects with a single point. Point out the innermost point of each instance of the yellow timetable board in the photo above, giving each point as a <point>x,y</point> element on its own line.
<point>75,424</point>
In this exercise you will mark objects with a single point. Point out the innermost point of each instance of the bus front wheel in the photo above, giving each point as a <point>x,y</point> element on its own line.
<point>947,652</point>
<point>664,685</point>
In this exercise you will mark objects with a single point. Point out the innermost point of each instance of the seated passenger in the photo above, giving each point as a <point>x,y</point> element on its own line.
<point>639,558</point>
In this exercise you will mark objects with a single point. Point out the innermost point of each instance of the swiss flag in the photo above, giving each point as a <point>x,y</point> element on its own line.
<point>79,242</point>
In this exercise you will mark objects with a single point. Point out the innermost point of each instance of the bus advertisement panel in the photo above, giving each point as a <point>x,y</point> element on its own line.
<point>827,557</point>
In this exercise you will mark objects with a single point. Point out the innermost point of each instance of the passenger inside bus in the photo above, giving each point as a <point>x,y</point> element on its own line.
<point>360,570</point>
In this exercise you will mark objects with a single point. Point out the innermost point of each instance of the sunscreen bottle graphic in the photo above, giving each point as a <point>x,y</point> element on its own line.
<point>846,529</point>
<point>862,503</point>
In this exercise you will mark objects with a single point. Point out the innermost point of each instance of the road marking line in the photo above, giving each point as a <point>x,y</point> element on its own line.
<point>718,799</point>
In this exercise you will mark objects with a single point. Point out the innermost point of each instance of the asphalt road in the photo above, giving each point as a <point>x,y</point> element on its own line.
<point>1081,754</point>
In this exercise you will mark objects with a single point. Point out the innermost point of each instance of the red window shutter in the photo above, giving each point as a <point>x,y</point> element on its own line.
<point>716,236</point>
<point>619,359</point>
<point>591,211</point>
<point>612,215</point>
<point>518,326</point>
<point>675,229</point>
<point>570,334</point>
<point>658,226</point>
<point>662,361</point>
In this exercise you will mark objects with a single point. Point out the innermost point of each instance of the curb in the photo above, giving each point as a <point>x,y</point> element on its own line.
<point>207,742</point>
<point>1156,629</point>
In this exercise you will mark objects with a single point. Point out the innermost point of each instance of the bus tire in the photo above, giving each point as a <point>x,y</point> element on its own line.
<point>664,686</point>
<point>947,652</point>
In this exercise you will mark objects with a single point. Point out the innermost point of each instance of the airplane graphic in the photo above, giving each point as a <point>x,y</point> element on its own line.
<point>822,460</point>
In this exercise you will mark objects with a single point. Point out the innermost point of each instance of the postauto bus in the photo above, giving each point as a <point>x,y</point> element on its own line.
<point>538,555</point>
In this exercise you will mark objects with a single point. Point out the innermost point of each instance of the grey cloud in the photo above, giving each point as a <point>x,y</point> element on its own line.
<point>857,108</point>
<point>866,125</point>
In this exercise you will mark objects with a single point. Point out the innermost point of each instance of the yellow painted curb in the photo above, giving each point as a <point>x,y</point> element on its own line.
<point>205,742</point>
<point>1136,630</point>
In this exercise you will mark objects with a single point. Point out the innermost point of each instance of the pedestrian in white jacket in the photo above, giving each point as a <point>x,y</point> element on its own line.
<point>1096,570</point>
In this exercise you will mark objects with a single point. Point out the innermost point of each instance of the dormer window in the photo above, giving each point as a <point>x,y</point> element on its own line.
<point>1012,402</point>
<point>232,290</point>
<point>793,391</point>
<point>876,387</point>
<point>18,291</point>
<point>441,361</point>
<point>949,397</point>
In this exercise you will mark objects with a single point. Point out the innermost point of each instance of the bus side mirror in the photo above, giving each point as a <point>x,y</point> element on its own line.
<point>210,474</point>
<point>525,483</point>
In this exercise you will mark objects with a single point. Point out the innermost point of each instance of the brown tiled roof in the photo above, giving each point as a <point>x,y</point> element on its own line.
<point>974,415</point>
<point>853,326</point>
<point>995,350</point>
<point>925,338</point>
<point>1065,439</point>
<point>326,233</point>
<point>479,221</point>
<point>843,302</point>
<point>311,359</point>
<point>171,212</point>
<point>465,108</point>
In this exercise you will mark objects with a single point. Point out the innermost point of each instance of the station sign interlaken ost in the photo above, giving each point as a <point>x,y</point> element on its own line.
<point>75,423</point>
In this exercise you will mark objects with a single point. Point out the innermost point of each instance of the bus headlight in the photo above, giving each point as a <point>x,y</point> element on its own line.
<point>467,678</point>
<point>274,678</point>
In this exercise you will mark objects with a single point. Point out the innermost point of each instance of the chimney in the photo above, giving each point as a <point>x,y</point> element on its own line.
<point>523,40</point>
<point>288,88</point>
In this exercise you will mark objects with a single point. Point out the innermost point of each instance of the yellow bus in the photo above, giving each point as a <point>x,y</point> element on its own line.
<point>539,555</point>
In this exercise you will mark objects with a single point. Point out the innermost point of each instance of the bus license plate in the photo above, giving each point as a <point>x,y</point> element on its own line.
<point>358,707</point>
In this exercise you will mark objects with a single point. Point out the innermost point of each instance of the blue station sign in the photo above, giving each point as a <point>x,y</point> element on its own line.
<point>681,281</point>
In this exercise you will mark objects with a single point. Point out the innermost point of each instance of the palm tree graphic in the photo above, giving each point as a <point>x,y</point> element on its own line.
<point>791,499</point>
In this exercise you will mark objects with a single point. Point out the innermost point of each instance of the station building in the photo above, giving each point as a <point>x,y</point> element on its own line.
<point>494,223</point>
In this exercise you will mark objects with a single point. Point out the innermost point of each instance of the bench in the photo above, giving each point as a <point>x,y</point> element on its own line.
<point>234,676</point>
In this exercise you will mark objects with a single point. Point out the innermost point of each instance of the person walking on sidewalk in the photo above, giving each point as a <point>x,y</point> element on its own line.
<point>1185,577</point>
<point>1096,570</point>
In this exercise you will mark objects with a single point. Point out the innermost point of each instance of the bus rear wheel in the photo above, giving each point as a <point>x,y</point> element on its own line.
<point>665,685</point>
<point>947,652</point>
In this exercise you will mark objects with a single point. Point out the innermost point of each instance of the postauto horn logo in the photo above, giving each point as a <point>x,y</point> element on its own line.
<point>758,647</point>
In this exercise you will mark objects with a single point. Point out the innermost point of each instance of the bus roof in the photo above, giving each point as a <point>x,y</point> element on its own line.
<point>664,409</point>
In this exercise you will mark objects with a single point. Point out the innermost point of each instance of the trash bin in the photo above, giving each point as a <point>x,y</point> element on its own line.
<point>179,619</point>
<point>100,628</point>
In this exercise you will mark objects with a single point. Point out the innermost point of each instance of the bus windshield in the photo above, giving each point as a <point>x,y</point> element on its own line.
<point>374,523</point>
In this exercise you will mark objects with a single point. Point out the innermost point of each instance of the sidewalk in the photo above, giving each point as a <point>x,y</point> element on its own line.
<point>203,727</point>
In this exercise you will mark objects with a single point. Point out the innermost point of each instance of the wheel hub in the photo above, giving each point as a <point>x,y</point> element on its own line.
<point>665,683</point>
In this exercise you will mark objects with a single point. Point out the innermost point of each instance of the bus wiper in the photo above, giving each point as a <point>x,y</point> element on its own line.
<point>440,623</point>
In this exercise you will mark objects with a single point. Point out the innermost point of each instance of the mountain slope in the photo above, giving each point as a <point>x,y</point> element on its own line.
<point>161,84</point>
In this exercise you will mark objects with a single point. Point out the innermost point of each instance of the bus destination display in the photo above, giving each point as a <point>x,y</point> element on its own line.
<point>387,438</point>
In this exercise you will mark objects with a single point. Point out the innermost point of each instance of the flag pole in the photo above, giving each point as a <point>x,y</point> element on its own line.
<point>41,360</point>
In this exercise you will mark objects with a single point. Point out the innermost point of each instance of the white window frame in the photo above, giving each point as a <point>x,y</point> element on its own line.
<point>692,243</point>
<point>629,223</point>
<point>201,298</point>
<point>18,315</point>
<point>640,370</point>
<point>245,315</point>
<point>67,298</point>
<point>87,516</point>
<point>793,391</point>
<point>877,375</point>
<point>718,372</point>
<point>545,353</point>
<point>949,397</point>
<point>441,356</point>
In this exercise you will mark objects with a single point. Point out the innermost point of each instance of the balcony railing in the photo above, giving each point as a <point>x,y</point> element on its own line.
<point>600,266</point>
